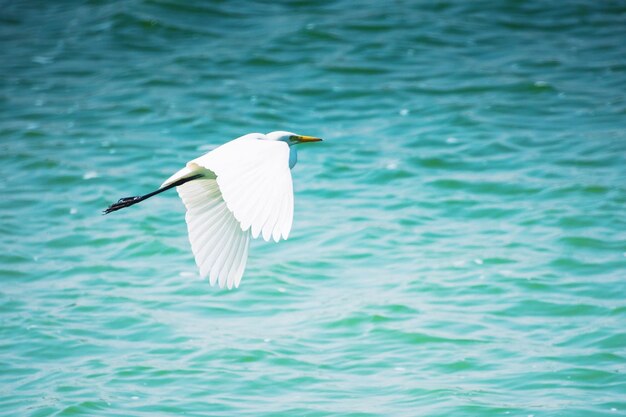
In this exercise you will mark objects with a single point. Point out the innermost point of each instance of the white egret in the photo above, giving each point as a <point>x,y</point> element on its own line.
<point>239,190</point>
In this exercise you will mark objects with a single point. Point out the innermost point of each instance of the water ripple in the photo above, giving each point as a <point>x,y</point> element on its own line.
<point>458,244</point>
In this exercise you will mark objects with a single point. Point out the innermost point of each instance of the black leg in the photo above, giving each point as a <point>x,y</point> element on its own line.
<point>129,201</point>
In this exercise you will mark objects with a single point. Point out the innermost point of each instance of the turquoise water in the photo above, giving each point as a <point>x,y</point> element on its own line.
<point>459,243</point>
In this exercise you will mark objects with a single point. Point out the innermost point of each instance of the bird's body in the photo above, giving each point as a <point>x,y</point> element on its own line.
<point>241,189</point>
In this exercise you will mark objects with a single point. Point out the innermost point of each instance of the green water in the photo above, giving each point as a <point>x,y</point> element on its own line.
<point>459,241</point>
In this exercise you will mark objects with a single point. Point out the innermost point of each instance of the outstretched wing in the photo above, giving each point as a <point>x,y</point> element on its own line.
<point>255,181</point>
<point>246,190</point>
<point>219,245</point>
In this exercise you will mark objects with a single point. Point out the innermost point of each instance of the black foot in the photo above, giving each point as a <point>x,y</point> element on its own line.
<point>121,203</point>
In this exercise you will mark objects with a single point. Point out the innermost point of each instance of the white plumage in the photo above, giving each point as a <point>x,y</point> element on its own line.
<point>219,244</point>
<point>239,190</point>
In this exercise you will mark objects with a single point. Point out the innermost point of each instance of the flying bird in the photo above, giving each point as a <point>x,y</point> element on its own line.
<point>239,190</point>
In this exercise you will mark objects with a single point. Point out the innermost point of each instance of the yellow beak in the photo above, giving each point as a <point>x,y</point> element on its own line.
<point>304,139</point>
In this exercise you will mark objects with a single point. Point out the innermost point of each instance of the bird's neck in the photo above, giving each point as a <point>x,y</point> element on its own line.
<point>293,157</point>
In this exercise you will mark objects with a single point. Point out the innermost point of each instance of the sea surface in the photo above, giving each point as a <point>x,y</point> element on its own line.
<point>459,241</point>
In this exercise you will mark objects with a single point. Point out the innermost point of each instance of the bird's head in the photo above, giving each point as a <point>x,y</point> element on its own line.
<point>290,138</point>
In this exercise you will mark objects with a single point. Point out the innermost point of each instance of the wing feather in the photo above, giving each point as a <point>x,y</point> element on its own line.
<point>222,254</point>
<point>287,219</point>
<point>263,209</point>
<point>230,260</point>
<point>246,196</point>
<point>254,178</point>
<point>246,191</point>
<point>218,243</point>
<point>239,264</point>
<point>280,221</point>
<point>210,248</point>
<point>270,221</point>
<point>276,231</point>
